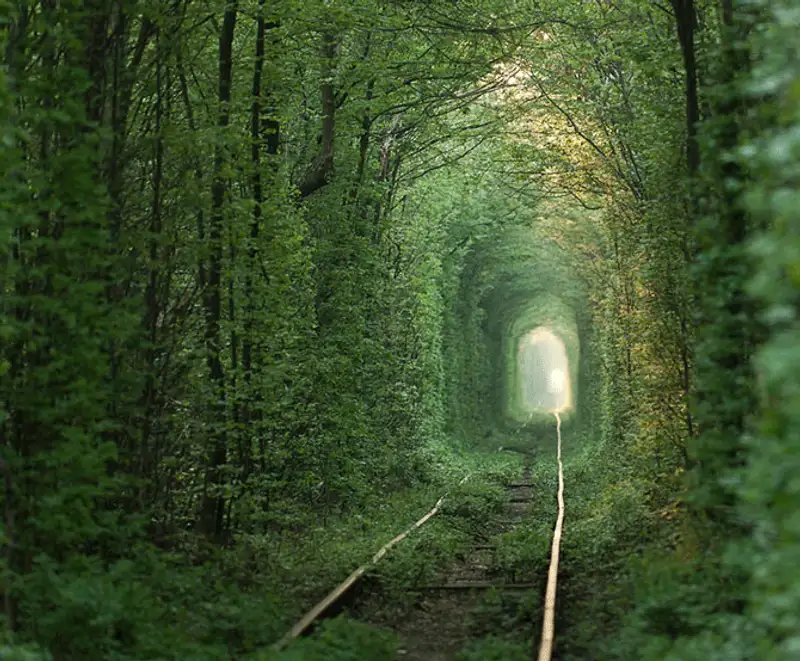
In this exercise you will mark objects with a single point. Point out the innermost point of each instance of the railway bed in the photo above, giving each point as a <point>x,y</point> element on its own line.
<point>445,612</point>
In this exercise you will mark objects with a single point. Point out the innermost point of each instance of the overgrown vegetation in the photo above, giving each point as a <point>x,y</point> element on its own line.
<point>264,267</point>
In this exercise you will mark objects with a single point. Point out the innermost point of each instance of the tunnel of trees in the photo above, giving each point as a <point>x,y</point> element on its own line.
<point>266,269</point>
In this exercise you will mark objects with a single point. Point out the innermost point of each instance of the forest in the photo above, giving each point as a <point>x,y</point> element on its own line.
<point>267,275</point>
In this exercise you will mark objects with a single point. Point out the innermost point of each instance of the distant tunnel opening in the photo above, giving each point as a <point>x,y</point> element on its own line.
<point>543,372</point>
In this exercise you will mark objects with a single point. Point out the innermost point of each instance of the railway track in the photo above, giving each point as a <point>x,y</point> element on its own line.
<point>438,625</point>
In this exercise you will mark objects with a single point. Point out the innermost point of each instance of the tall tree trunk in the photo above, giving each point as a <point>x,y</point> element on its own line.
<point>213,505</point>
<point>152,303</point>
<point>196,165</point>
<point>322,171</point>
<point>686,20</point>
<point>95,38</point>
<point>264,132</point>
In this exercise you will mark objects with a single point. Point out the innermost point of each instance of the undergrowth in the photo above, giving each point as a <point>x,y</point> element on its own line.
<point>613,542</point>
<point>463,521</point>
<point>240,600</point>
<point>466,512</point>
<point>611,526</point>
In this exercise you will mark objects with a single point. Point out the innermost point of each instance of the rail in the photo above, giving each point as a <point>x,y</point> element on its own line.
<point>549,621</point>
<point>308,619</point>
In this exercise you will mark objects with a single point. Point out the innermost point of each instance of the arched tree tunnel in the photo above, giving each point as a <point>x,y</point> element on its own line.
<point>276,275</point>
<point>533,332</point>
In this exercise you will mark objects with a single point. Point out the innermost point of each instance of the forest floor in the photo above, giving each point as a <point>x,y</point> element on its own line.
<point>453,611</point>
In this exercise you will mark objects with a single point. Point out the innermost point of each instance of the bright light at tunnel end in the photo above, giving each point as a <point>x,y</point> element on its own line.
<point>543,369</point>
<point>556,383</point>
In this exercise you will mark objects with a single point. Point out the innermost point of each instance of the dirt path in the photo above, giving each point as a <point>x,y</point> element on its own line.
<point>439,627</point>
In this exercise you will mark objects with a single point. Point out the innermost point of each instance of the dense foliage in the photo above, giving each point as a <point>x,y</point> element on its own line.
<point>264,268</point>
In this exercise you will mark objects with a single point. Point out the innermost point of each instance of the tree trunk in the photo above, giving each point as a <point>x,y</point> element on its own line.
<point>152,303</point>
<point>322,170</point>
<point>685,20</point>
<point>213,505</point>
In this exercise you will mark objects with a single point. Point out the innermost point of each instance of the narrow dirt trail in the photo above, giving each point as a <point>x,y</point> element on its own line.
<point>439,627</point>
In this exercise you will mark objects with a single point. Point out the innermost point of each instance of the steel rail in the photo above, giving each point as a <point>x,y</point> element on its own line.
<point>308,619</point>
<point>548,624</point>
